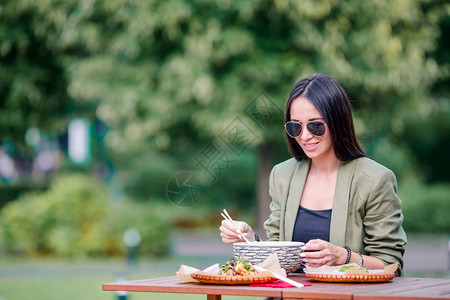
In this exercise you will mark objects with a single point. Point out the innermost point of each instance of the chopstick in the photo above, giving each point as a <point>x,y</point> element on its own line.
<point>226,216</point>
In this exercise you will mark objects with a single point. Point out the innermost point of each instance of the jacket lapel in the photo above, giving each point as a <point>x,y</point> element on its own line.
<point>340,203</point>
<point>295,192</point>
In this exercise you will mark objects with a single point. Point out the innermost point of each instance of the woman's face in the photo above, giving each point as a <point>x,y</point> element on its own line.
<point>303,111</point>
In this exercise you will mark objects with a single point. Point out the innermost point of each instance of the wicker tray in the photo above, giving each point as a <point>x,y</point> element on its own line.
<point>224,279</point>
<point>328,277</point>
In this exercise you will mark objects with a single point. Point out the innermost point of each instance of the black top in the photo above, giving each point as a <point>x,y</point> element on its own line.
<point>312,224</point>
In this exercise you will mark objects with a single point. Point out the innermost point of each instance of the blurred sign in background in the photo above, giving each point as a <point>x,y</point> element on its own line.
<point>79,141</point>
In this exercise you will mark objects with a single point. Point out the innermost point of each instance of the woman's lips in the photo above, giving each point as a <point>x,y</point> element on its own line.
<point>310,146</point>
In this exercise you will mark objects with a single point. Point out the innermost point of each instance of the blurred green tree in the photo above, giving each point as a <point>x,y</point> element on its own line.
<point>32,76</point>
<point>169,77</point>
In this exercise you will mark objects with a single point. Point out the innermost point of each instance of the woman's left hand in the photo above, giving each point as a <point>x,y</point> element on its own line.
<point>323,253</point>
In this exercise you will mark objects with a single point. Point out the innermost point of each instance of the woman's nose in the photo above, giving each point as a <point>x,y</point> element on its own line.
<point>305,135</point>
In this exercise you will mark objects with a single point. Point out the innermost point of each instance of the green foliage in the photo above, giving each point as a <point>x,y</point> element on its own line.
<point>425,207</point>
<point>152,221</point>
<point>144,178</point>
<point>12,192</point>
<point>240,177</point>
<point>139,62</point>
<point>72,219</point>
<point>32,76</point>
<point>394,156</point>
<point>64,220</point>
<point>429,140</point>
<point>169,76</point>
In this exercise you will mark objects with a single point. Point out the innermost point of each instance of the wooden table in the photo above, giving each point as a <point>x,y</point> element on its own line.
<point>399,288</point>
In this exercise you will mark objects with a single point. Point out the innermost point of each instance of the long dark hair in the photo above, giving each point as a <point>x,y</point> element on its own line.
<point>330,99</point>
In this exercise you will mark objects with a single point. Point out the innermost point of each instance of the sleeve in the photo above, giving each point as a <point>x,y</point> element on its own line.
<point>384,235</point>
<point>272,224</point>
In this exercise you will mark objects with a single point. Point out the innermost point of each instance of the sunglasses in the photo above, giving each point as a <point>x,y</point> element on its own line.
<point>294,129</point>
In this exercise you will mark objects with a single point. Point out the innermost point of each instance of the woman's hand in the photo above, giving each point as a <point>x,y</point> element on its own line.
<point>230,235</point>
<point>323,253</point>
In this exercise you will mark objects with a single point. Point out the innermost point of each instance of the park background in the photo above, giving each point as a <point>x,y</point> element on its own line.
<point>127,126</point>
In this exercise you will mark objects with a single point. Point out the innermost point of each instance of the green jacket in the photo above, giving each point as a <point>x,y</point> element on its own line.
<point>366,213</point>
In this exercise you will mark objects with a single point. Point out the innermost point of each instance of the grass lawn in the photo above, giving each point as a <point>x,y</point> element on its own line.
<point>82,280</point>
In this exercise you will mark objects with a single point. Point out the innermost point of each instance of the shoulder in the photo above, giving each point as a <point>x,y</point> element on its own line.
<point>369,168</point>
<point>370,174</point>
<point>288,166</point>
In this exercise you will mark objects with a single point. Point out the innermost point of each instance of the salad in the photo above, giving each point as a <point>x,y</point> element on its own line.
<point>238,266</point>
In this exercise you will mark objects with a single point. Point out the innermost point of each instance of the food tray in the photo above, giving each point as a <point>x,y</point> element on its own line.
<point>264,277</point>
<point>333,277</point>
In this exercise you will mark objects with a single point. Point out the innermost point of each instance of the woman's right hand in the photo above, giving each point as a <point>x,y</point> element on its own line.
<point>231,235</point>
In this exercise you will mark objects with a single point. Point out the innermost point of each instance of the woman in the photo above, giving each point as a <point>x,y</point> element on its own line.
<point>343,205</point>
